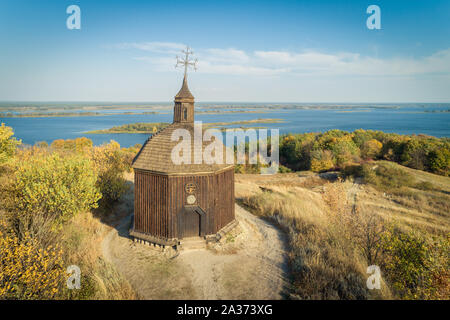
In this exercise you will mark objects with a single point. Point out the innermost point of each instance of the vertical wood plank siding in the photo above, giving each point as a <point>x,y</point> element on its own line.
<point>160,200</point>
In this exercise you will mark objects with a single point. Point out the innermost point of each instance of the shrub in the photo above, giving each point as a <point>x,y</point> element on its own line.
<point>56,186</point>
<point>367,229</point>
<point>393,147</point>
<point>129,155</point>
<point>321,160</point>
<point>28,271</point>
<point>371,149</point>
<point>41,144</point>
<point>110,164</point>
<point>414,266</point>
<point>439,160</point>
<point>361,136</point>
<point>283,169</point>
<point>425,185</point>
<point>415,155</point>
<point>354,170</point>
<point>344,150</point>
<point>295,151</point>
<point>8,144</point>
<point>386,176</point>
<point>80,145</point>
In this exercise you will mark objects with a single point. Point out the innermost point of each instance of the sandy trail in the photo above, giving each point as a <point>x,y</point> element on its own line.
<point>249,263</point>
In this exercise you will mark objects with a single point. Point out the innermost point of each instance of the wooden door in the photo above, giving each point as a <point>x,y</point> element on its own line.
<point>191,223</point>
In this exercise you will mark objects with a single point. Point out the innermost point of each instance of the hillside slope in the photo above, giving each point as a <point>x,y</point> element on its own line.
<point>331,221</point>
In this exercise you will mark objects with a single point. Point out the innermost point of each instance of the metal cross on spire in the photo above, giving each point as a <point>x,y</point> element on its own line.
<point>186,62</point>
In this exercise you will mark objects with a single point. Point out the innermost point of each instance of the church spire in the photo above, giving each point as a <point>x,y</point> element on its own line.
<point>184,100</point>
<point>185,62</point>
<point>184,92</point>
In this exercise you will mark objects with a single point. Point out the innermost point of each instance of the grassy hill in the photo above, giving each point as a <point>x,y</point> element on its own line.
<point>337,228</point>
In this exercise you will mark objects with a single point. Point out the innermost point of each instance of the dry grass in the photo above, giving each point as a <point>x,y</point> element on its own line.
<point>324,262</point>
<point>427,211</point>
<point>334,227</point>
<point>82,237</point>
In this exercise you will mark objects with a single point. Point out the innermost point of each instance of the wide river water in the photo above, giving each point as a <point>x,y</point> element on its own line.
<point>430,119</point>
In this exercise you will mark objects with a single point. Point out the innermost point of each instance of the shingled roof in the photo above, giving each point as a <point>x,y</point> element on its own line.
<point>184,92</point>
<point>155,154</point>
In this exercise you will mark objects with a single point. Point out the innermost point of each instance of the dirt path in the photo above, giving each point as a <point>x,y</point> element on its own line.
<point>249,263</point>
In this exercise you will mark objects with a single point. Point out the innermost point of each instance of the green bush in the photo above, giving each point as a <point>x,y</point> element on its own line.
<point>355,171</point>
<point>415,267</point>
<point>344,150</point>
<point>386,176</point>
<point>295,151</point>
<point>439,160</point>
<point>55,185</point>
<point>415,155</point>
<point>110,163</point>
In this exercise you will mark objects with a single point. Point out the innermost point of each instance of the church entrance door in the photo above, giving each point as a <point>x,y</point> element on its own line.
<point>191,221</point>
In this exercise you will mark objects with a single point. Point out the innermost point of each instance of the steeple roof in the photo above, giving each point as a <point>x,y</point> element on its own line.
<point>184,92</point>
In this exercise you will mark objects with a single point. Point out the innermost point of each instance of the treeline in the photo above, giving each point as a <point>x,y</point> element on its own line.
<point>51,200</point>
<point>139,127</point>
<point>47,114</point>
<point>337,149</point>
<point>68,114</point>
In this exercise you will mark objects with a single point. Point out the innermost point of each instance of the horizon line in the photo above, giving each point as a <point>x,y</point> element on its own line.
<point>224,101</point>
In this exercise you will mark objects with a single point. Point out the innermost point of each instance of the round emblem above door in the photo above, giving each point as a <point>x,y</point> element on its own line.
<point>190,188</point>
<point>191,199</point>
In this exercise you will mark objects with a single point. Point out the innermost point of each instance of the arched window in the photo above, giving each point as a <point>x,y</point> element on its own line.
<point>185,113</point>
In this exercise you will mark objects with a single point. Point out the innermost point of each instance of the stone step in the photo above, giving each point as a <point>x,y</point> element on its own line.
<point>192,243</point>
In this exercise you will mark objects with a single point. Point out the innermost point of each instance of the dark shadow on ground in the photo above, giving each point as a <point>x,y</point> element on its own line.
<point>114,214</point>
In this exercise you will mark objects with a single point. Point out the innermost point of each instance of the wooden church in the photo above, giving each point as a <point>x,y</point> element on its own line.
<point>178,201</point>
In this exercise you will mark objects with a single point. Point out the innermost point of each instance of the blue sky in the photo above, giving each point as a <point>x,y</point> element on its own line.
<point>268,51</point>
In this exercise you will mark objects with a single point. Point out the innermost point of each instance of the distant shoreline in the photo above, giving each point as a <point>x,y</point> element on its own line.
<point>73,114</point>
<point>150,128</point>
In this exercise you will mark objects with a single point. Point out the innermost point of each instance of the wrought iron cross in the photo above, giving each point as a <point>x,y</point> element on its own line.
<point>186,62</point>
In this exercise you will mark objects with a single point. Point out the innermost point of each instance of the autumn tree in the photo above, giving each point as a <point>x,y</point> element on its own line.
<point>55,185</point>
<point>8,144</point>
<point>371,149</point>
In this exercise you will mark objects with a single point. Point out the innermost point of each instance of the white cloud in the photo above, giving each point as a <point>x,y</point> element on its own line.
<point>316,63</point>
<point>311,63</point>
<point>226,55</point>
<point>155,47</point>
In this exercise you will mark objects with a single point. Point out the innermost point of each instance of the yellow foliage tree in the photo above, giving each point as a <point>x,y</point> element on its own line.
<point>8,144</point>
<point>110,164</point>
<point>371,149</point>
<point>321,160</point>
<point>55,185</point>
<point>28,271</point>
